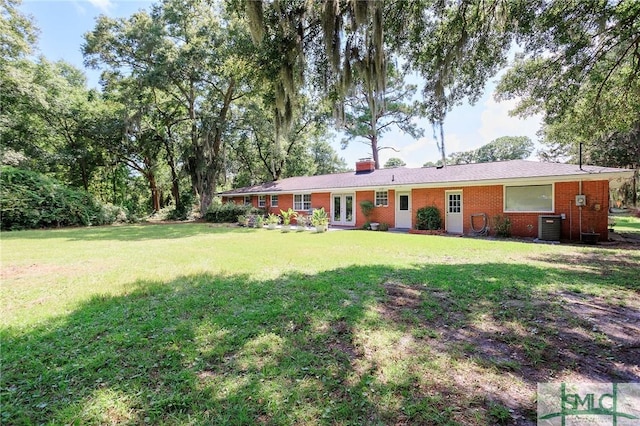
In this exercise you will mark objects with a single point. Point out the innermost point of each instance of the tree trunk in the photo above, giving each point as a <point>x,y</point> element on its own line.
<point>374,151</point>
<point>84,174</point>
<point>372,100</point>
<point>206,162</point>
<point>175,181</point>
<point>442,150</point>
<point>153,187</point>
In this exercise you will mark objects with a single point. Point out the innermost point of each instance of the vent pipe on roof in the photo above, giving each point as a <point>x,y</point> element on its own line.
<point>580,155</point>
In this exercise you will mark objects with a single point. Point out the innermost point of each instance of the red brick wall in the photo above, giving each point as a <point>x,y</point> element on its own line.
<point>594,215</point>
<point>360,197</point>
<point>365,166</point>
<point>385,214</point>
<point>483,199</point>
<point>381,214</point>
<point>489,200</point>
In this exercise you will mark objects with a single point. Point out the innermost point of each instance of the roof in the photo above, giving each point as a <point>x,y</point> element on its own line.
<point>464,174</point>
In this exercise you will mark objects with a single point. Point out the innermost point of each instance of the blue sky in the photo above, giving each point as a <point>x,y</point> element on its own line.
<point>63,23</point>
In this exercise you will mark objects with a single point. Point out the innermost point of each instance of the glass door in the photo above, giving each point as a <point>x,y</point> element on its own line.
<point>348,210</point>
<point>343,210</point>
<point>337,208</point>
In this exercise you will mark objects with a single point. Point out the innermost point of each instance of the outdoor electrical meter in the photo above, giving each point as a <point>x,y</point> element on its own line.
<point>581,200</point>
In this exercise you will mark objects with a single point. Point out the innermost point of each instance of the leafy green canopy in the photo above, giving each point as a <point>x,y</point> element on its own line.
<point>394,162</point>
<point>32,200</point>
<point>454,46</point>
<point>193,58</point>
<point>500,149</point>
<point>580,68</point>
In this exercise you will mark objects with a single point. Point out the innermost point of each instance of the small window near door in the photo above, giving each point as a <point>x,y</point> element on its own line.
<point>454,203</point>
<point>262,200</point>
<point>247,199</point>
<point>404,202</point>
<point>274,201</point>
<point>382,198</point>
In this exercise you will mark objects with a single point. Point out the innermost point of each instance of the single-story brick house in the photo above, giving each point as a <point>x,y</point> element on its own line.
<point>520,190</point>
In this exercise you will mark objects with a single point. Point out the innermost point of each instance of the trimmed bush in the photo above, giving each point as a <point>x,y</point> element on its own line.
<point>229,212</point>
<point>428,218</point>
<point>32,200</point>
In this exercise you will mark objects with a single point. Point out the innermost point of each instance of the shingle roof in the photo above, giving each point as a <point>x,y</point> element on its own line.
<point>459,174</point>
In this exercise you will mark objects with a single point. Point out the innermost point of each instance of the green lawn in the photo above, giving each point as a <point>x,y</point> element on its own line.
<point>627,225</point>
<point>201,324</point>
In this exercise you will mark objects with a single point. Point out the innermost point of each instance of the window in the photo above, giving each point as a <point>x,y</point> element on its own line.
<point>529,198</point>
<point>382,198</point>
<point>274,201</point>
<point>262,200</point>
<point>404,202</point>
<point>247,199</point>
<point>455,203</point>
<point>302,202</point>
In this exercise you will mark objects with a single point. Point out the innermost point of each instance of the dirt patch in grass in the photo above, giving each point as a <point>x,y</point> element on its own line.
<point>497,351</point>
<point>401,296</point>
<point>24,272</point>
<point>340,341</point>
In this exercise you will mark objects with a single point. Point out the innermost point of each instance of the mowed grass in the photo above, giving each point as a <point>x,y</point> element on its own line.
<point>201,324</point>
<point>627,224</point>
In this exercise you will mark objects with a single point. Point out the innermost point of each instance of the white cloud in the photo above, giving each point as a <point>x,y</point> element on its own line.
<point>496,122</point>
<point>105,6</point>
<point>79,8</point>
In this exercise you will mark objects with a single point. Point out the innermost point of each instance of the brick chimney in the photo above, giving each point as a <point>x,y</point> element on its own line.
<point>365,165</point>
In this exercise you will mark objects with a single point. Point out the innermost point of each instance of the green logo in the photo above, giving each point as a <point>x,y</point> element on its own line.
<point>594,404</point>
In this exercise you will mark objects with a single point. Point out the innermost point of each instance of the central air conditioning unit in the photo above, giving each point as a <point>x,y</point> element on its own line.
<point>549,227</point>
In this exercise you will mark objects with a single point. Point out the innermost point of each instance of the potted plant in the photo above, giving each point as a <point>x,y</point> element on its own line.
<point>301,222</point>
<point>286,219</point>
<point>272,220</point>
<point>320,220</point>
<point>367,209</point>
<point>243,220</point>
<point>590,237</point>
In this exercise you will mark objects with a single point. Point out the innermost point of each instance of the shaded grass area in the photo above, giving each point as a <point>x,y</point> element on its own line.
<point>455,341</point>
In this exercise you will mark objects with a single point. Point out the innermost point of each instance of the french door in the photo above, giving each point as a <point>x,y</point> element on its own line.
<point>343,210</point>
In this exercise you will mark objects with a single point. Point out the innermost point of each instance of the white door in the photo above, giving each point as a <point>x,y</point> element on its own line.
<point>343,210</point>
<point>403,210</point>
<point>454,212</point>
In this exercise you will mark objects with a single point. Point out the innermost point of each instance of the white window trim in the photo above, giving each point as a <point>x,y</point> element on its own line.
<point>295,207</point>
<point>553,198</point>
<point>262,200</point>
<point>375,198</point>
<point>446,200</point>
<point>271,203</point>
